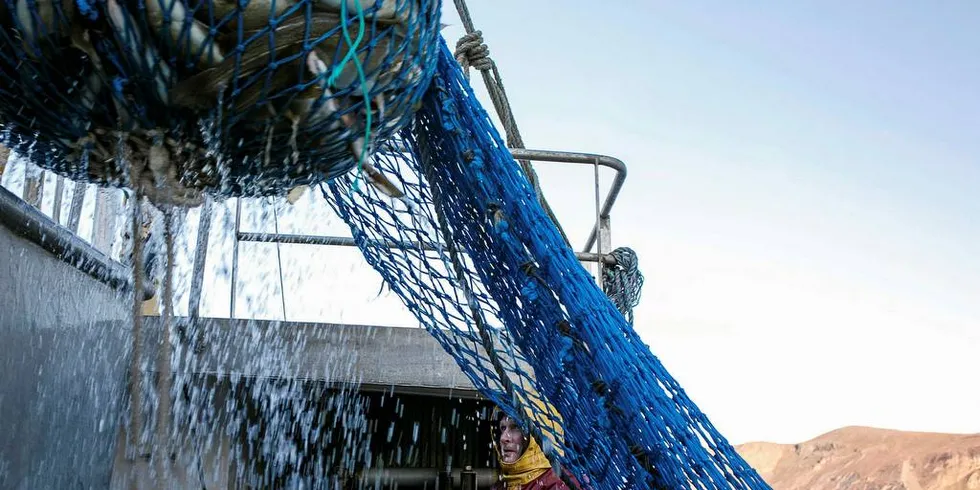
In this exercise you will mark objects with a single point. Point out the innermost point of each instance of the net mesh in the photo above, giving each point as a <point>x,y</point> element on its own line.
<point>225,97</point>
<point>253,98</point>
<point>473,255</point>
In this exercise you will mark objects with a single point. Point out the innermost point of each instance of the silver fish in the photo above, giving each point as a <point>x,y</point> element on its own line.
<point>329,106</point>
<point>318,68</point>
<point>255,14</point>
<point>130,41</point>
<point>388,9</point>
<point>198,41</point>
<point>201,90</point>
<point>295,193</point>
<point>42,21</point>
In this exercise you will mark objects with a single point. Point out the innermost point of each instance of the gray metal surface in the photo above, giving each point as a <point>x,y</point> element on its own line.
<point>63,357</point>
<point>601,230</point>
<point>340,241</point>
<point>200,258</point>
<point>425,477</point>
<point>20,219</point>
<point>402,360</point>
<point>584,159</point>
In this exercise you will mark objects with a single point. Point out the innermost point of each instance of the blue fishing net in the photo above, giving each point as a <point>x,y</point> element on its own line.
<point>132,93</point>
<point>228,97</point>
<point>474,256</point>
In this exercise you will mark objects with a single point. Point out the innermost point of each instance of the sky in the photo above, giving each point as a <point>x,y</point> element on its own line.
<point>799,197</point>
<point>800,194</point>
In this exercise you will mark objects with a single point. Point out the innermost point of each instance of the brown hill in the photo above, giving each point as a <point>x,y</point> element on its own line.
<point>863,458</point>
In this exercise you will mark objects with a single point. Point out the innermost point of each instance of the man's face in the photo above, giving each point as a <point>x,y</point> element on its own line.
<point>511,440</point>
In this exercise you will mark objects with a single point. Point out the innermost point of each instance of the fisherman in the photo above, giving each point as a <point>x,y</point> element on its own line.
<point>523,465</point>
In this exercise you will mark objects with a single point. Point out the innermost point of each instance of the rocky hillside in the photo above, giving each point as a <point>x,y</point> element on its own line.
<point>863,458</point>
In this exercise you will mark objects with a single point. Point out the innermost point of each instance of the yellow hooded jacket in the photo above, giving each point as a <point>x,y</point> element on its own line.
<point>533,463</point>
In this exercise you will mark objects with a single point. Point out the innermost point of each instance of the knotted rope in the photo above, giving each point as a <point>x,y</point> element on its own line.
<point>472,51</point>
<point>623,281</point>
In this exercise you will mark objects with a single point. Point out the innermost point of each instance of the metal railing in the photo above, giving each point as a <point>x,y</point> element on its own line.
<point>22,216</point>
<point>599,237</point>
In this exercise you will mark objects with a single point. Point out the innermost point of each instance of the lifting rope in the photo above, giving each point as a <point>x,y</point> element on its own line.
<point>472,51</point>
<point>621,282</point>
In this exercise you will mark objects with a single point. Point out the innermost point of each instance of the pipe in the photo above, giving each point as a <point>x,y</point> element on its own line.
<point>349,242</point>
<point>396,148</point>
<point>585,159</point>
<point>33,225</point>
<point>485,477</point>
<point>200,257</point>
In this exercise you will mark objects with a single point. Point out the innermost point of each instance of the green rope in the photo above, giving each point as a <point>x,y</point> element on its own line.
<point>351,54</point>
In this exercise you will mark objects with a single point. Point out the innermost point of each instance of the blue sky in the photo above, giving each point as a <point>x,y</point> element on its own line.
<point>800,193</point>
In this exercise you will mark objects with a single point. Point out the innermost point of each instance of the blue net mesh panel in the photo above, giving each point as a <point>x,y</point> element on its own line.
<point>226,97</point>
<point>475,258</point>
<point>254,97</point>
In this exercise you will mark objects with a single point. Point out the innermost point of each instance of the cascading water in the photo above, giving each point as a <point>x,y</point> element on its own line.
<point>205,422</point>
<point>63,360</point>
<point>253,403</point>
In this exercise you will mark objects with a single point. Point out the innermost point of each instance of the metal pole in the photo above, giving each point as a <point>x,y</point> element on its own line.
<point>200,258</point>
<point>32,185</point>
<point>28,222</point>
<point>282,284</point>
<point>340,241</point>
<point>587,159</point>
<point>135,373</point>
<point>161,444</point>
<point>101,228</point>
<point>598,220</point>
<point>77,200</point>
<point>234,257</point>
<point>59,192</point>
<point>563,157</point>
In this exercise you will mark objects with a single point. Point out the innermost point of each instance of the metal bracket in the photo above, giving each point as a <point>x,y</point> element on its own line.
<point>585,159</point>
<point>600,232</point>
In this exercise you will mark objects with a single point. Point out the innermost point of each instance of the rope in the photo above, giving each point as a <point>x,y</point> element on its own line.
<point>135,373</point>
<point>622,282</point>
<point>352,55</point>
<point>625,422</point>
<point>472,51</point>
<point>462,280</point>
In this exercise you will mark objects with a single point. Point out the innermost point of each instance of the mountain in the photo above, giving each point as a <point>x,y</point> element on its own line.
<point>864,458</point>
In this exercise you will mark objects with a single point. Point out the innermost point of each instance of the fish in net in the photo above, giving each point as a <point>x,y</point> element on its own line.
<point>183,98</point>
<point>252,98</point>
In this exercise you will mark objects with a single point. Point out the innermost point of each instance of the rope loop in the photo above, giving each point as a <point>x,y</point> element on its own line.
<point>472,51</point>
<point>624,281</point>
